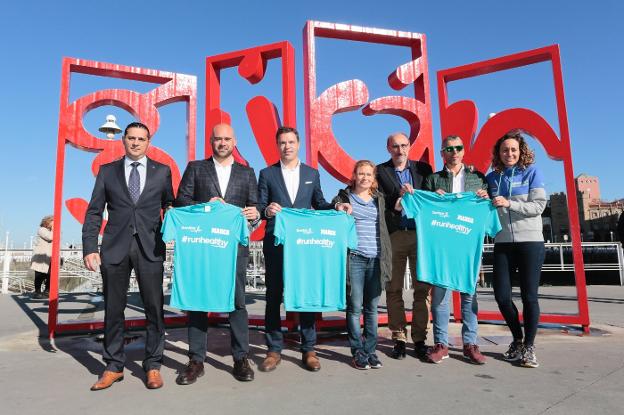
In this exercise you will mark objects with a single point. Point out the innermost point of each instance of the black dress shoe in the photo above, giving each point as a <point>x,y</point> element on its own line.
<point>192,371</point>
<point>242,370</point>
<point>398,351</point>
<point>420,350</point>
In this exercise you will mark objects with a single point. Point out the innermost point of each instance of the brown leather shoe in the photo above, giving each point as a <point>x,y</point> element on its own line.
<point>192,371</point>
<point>107,379</point>
<point>154,380</point>
<point>311,362</point>
<point>270,362</point>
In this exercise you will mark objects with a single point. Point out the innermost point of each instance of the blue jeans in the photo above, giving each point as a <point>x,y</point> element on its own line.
<point>364,292</point>
<point>441,313</point>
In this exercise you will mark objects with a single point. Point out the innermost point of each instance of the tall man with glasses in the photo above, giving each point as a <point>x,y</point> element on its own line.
<point>223,179</point>
<point>395,177</point>
<point>455,178</point>
<point>134,190</point>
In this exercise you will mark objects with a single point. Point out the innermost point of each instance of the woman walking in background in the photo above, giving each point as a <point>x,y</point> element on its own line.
<point>42,254</point>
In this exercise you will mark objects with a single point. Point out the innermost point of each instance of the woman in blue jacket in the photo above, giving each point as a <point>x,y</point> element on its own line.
<point>517,190</point>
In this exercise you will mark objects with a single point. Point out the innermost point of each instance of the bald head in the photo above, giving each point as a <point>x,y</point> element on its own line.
<point>222,141</point>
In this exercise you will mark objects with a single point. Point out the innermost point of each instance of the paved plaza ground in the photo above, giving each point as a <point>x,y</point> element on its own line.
<point>579,373</point>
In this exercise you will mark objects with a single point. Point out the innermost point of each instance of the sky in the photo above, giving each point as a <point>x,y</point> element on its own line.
<point>178,36</point>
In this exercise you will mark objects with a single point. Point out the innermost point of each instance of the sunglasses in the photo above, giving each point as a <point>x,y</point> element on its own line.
<point>450,149</point>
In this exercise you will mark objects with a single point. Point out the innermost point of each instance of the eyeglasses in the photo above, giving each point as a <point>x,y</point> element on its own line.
<point>399,146</point>
<point>450,149</point>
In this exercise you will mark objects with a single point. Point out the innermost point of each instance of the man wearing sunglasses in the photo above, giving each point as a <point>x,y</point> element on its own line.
<point>395,177</point>
<point>455,177</point>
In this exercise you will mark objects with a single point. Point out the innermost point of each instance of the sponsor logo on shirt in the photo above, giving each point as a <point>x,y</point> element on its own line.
<point>464,230</point>
<point>329,232</point>
<point>440,214</point>
<point>220,231</point>
<point>194,229</point>
<point>215,242</point>
<point>307,231</point>
<point>323,243</point>
<point>465,218</point>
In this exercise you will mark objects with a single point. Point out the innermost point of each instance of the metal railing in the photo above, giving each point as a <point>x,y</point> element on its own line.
<point>74,277</point>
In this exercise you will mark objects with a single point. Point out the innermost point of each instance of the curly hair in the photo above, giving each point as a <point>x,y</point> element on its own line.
<point>527,156</point>
<point>359,164</point>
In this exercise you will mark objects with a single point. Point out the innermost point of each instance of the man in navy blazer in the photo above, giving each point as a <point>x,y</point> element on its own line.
<point>288,183</point>
<point>134,191</point>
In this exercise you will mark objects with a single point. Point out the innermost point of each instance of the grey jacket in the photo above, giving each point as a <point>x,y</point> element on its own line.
<point>385,257</point>
<point>524,188</point>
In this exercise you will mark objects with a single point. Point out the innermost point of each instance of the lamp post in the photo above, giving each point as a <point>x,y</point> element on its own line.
<point>110,127</point>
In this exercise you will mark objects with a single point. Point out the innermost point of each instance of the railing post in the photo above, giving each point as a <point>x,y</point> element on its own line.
<point>620,255</point>
<point>5,271</point>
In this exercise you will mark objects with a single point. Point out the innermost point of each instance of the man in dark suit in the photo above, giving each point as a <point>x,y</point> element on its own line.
<point>292,184</point>
<point>395,177</point>
<point>134,190</point>
<point>221,178</point>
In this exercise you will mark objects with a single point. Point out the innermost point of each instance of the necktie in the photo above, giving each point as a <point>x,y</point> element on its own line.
<point>134,182</point>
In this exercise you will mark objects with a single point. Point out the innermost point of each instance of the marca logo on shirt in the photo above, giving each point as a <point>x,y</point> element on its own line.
<point>220,231</point>
<point>329,232</point>
<point>307,231</point>
<point>465,218</point>
<point>440,214</point>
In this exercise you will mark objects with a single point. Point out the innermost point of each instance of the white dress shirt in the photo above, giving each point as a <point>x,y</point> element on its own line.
<point>458,180</point>
<point>141,168</point>
<point>223,174</point>
<point>291,178</point>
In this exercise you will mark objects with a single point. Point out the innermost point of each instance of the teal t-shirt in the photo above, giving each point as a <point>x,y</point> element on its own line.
<point>204,262</point>
<point>315,257</point>
<point>449,230</point>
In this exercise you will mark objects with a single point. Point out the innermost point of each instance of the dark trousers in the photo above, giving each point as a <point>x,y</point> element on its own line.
<point>527,258</point>
<point>239,320</point>
<point>116,278</point>
<point>274,280</point>
<point>40,278</point>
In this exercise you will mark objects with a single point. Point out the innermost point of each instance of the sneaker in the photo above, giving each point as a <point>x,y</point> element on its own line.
<point>437,353</point>
<point>421,350</point>
<point>514,352</point>
<point>473,354</point>
<point>398,351</point>
<point>374,361</point>
<point>528,357</point>
<point>360,361</point>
